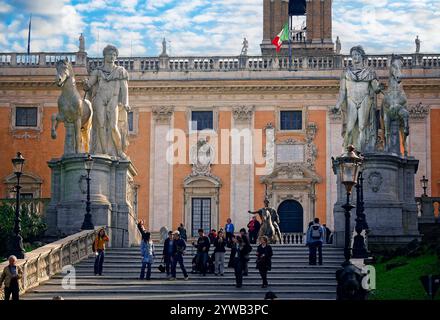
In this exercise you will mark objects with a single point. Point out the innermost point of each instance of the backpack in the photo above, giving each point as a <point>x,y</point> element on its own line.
<point>316,232</point>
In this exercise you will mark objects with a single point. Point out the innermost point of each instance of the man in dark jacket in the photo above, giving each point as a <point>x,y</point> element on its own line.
<point>202,246</point>
<point>246,249</point>
<point>264,259</point>
<point>169,250</point>
<point>178,256</point>
<point>237,258</point>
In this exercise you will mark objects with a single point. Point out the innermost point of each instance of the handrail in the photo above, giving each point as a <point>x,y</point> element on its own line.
<point>42,263</point>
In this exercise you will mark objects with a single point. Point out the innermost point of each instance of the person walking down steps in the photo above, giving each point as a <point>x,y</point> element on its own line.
<point>219,253</point>
<point>99,248</point>
<point>264,259</point>
<point>178,256</point>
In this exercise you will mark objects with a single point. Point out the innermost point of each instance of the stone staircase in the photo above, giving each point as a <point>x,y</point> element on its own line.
<point>291,278</point>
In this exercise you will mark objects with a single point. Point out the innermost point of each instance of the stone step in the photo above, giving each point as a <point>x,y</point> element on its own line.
<point>231,295</point>
<point>194,282</point>
<point>247,288</point>
<point>193,277</point>
<point>306,274</point>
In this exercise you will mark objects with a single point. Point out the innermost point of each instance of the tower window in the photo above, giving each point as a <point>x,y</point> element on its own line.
<point>297,7</point>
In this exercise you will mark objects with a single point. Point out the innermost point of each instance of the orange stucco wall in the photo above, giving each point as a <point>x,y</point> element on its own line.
<point>435,153</point>
<point>36,151</point>
<point>319,117</point>
<point>139,151</point>
<point>223,171</point>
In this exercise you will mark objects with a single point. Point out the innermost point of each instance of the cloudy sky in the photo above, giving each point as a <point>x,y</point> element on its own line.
<point>199,27</point>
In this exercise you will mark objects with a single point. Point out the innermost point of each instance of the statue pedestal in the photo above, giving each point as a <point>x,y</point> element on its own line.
<point>390,205</point>
<point>112,196</point>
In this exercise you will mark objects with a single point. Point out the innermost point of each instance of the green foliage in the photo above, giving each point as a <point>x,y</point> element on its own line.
<point>32,226</point>
<point>403,282</point>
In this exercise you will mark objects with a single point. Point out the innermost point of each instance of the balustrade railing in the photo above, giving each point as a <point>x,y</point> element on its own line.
<point>293,238</point>
<point>428,209</point>
<point>42,263</point>
<point>217,63</point>
<point>37,205</point>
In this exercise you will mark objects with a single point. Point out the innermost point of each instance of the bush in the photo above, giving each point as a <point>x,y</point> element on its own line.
<point>32,227</point>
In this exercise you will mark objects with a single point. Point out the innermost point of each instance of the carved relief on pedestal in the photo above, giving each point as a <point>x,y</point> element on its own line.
<point>162,114</point>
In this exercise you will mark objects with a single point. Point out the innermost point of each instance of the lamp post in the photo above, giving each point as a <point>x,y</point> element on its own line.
<point>359,242</point>
<point>349,164</point>
<point>349,277</point>
<point>87,223</point>
<point>424,182</point>
<point>16,245</point>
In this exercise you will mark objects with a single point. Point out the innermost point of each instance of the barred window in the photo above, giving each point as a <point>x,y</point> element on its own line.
<point>201,120</point>
<point>291,120</point>
<point>26,116</point>
<point>130,121</point>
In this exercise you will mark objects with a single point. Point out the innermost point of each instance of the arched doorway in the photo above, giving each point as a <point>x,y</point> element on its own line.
<point>291,216</point>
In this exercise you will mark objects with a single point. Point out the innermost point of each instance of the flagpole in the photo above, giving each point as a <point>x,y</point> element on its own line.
<point>29,38</point>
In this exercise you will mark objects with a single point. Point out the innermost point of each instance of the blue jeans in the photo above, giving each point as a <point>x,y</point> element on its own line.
<point>168,264</point>
<point>202,260</point>
<point>99,262</point>
<point>148,266</point>
<point>312,252</point>
<point>238,270</point>
<point>178,258</point>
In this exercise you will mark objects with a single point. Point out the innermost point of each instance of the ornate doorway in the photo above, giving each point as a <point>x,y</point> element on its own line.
<point>291,216</point>
<point>201,215</point>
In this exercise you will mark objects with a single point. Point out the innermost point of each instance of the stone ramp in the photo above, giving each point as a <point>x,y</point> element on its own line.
<point>291,278</point>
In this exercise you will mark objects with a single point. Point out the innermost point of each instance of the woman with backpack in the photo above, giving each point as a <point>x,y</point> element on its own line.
<point>147,251</point>
<point>99,248</point>
<point>264,259</point>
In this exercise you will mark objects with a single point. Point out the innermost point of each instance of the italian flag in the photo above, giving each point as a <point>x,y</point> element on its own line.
<point>282,36</point>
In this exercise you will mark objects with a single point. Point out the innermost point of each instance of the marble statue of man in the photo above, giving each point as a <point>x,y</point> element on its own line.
<point>357,101</point>
<point>109,95</point>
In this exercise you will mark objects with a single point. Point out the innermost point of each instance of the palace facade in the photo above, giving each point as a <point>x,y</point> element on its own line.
<point>281,106</point>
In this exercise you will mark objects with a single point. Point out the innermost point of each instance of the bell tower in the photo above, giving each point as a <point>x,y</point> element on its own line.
<point>310,26</point>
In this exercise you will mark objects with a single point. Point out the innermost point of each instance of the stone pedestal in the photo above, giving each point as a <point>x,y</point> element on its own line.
<point>112,195</point>
<point>390,205</point>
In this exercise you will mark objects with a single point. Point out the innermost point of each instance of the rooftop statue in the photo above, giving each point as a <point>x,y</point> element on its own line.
<point>108,89</point>
<point>359,86</point>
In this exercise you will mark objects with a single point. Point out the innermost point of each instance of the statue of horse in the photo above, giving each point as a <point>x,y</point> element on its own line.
<point>394,105</point>
<point>75,112</point>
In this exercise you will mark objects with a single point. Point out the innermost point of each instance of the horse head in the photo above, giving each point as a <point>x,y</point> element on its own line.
<point>396,68</point>
<point>64,72</point>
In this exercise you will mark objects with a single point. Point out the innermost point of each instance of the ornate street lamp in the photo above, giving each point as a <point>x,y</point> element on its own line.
<point>349,164</point>
<point>359,242</point>
<point>87,223</point>
<point>16,245</point>
<point>349,277</point>
<point>424,182</point>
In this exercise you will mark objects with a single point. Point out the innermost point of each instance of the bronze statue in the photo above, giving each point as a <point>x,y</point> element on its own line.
<point>269,222</point>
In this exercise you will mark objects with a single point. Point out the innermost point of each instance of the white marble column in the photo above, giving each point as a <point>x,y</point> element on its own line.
<point>242,165</point>
<point>420,143</point>
<point>161,172</point>
<point>334,149</point>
